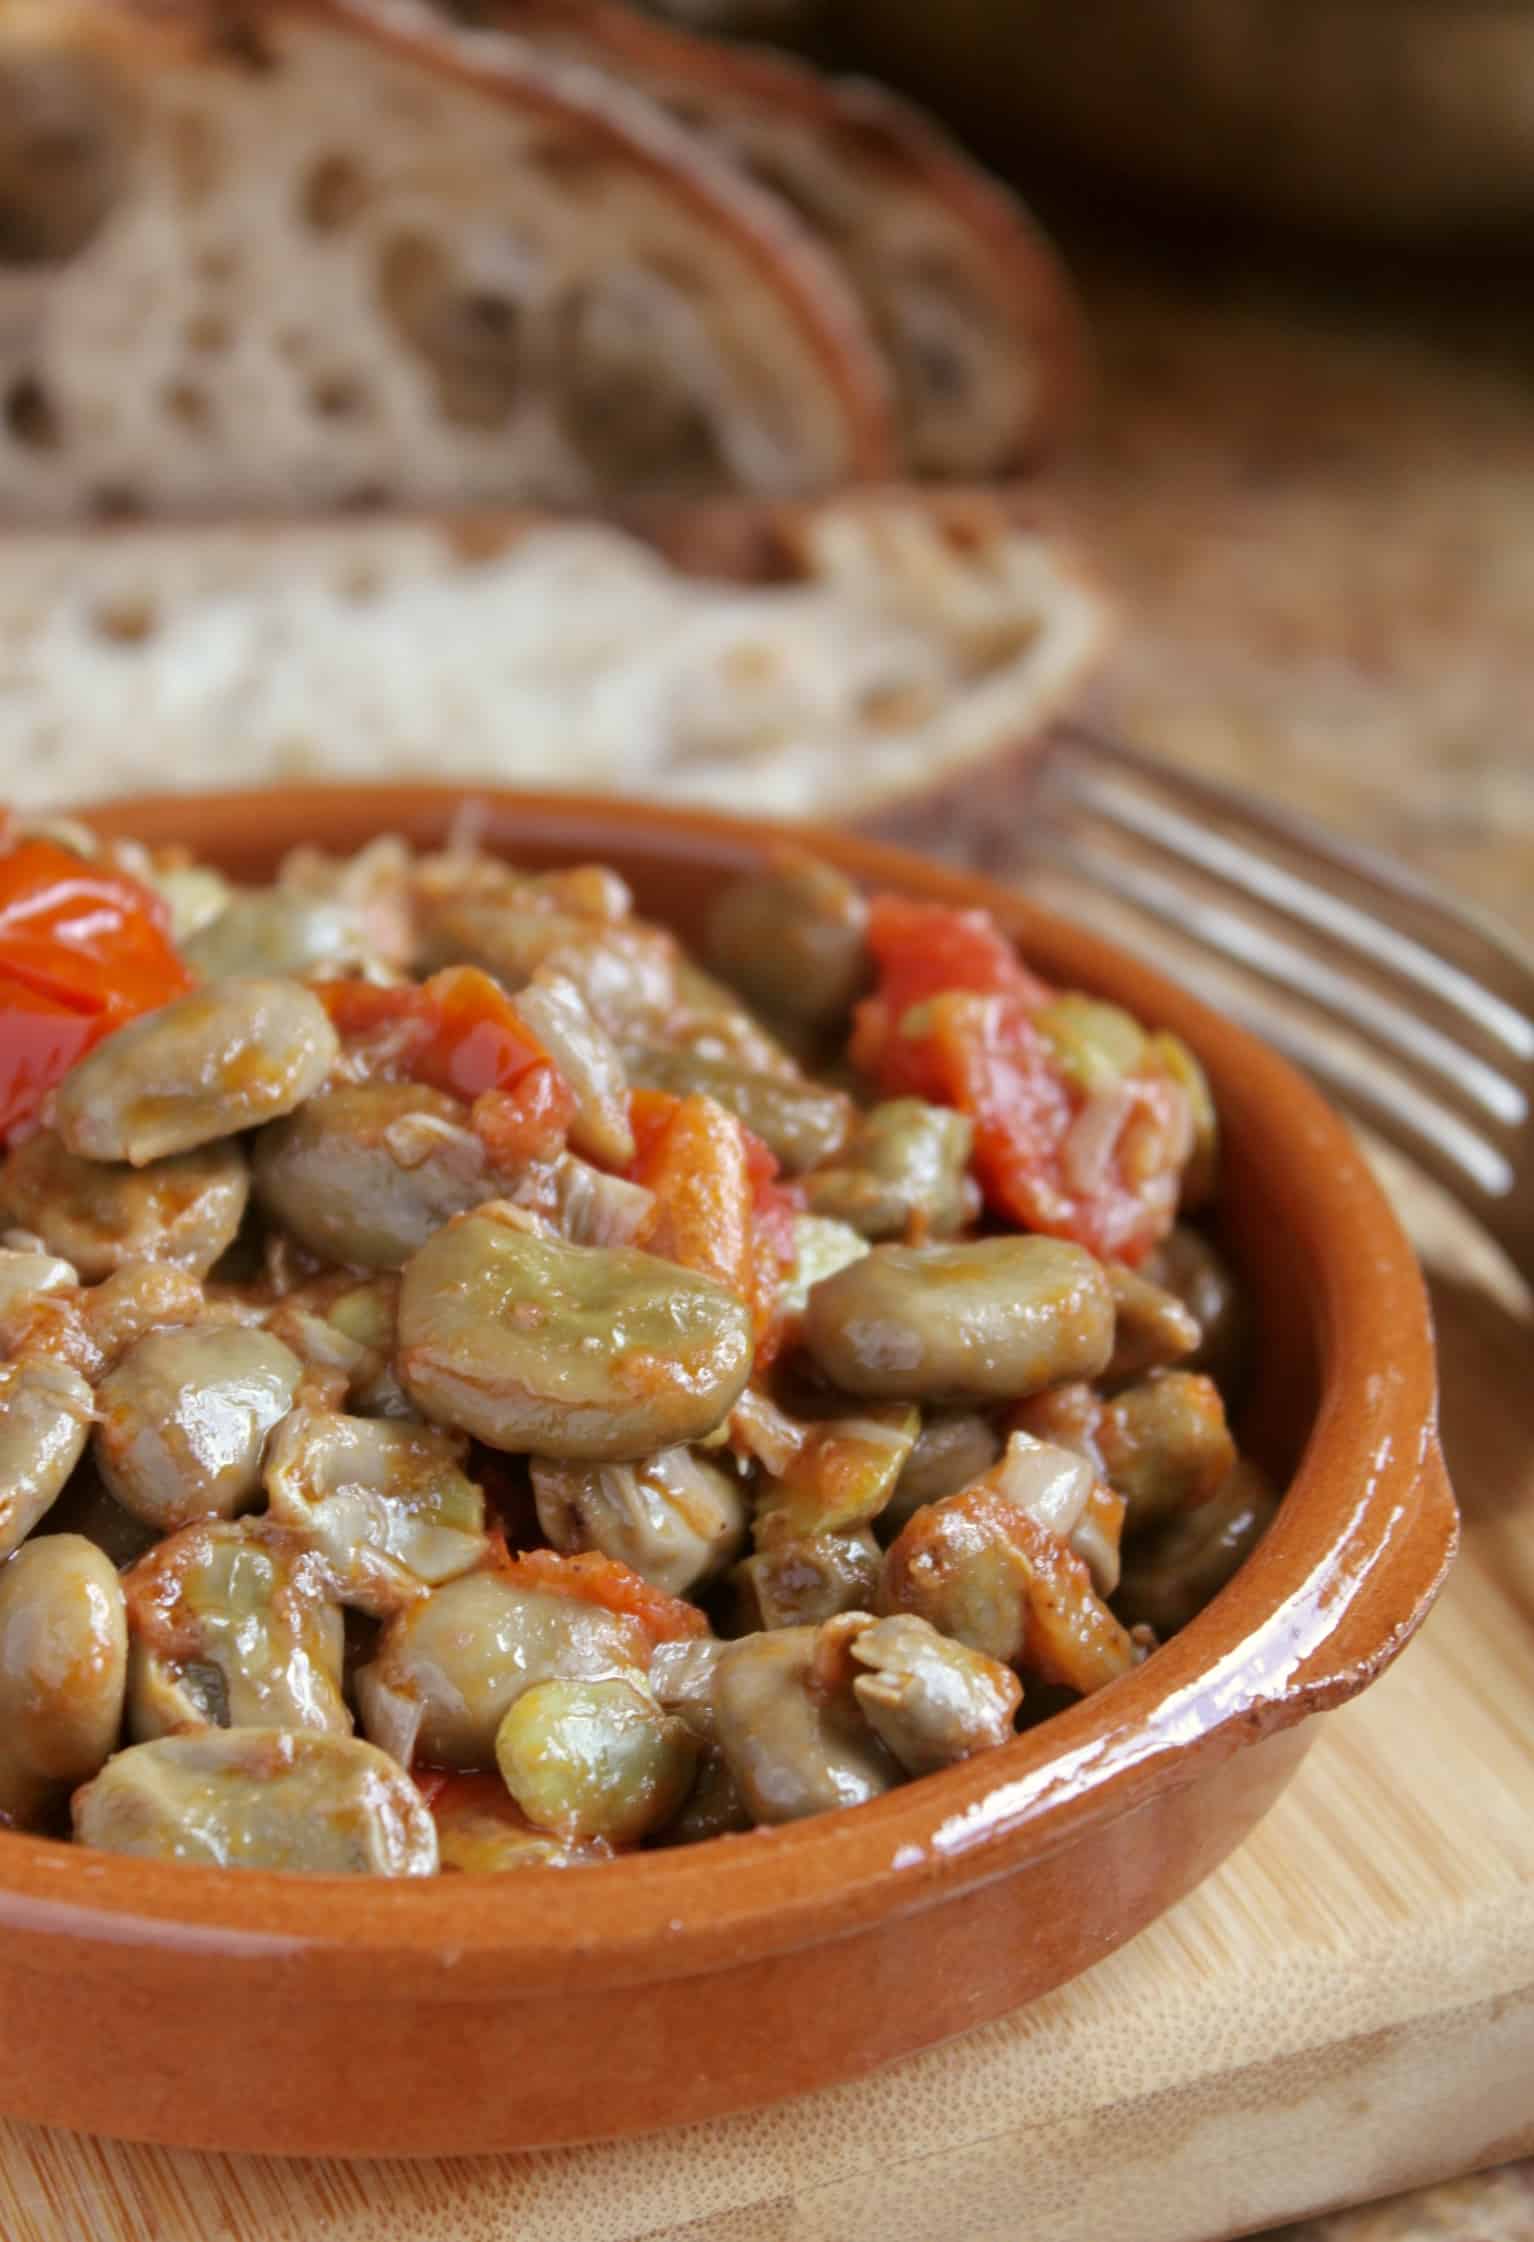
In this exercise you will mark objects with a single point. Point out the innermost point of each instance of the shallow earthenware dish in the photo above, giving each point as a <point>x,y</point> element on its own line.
<point>245,2011</point>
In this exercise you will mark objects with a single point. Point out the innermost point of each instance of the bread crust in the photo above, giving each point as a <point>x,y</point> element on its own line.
<point>1028,284</point>
<point>138,36</point>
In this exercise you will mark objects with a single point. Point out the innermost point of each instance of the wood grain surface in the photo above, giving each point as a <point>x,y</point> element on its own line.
<point>1344,2009</point>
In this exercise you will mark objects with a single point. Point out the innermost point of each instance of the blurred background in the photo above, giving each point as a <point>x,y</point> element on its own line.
<point>1304,234</point>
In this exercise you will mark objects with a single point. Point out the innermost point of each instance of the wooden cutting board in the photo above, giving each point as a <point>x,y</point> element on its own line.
<point>1343,2010</point>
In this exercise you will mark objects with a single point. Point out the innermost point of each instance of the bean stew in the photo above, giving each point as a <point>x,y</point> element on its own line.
<point>482,1388</point>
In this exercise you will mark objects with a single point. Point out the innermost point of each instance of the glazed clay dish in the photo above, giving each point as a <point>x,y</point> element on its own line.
<point>191,2004</point>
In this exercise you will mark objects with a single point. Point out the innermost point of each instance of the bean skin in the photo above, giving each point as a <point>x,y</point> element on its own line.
<point>260,1798</point>
<point>103,1216</point>
<point>985,1322</point>
<point>539,1347</point>
<point>214,1062</point>
<point>63,1668</point>
<point>365,1175</point>
<point>449,1669</point>
<point>793,1747</point>
<point>45,1421</point>
<point>184,1420</point>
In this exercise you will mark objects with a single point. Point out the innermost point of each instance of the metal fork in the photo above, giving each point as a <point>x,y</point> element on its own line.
<point>1417,1015</point>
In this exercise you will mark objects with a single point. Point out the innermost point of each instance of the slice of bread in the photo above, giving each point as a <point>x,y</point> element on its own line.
<point>969,301</point>
<point>317,254</point>
<point>817,660</point>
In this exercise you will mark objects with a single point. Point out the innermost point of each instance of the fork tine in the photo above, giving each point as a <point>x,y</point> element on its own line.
<point>1467,1080</point>
<point>1471,974</point>
<point>1469,1163</point>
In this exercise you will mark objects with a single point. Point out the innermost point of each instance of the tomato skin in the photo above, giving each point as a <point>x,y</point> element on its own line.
<point>596,1579</point>
<point>718,1208</point>
<point>457,1032</point>
<point>81,951</point>
<point>40,1040</point>
<point>954,1020</point>
<point>527,1123</point>
<point>921,951</point>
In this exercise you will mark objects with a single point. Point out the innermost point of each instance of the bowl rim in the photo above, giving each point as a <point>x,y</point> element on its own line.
<point>1340,1582</point>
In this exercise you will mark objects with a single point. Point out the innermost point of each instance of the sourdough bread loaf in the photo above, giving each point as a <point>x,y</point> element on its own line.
<point>833,659</point>
<point>331,254</point>
<point>969,303</point>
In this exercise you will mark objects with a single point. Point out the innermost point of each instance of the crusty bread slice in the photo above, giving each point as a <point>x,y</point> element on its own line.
<point>328,253</point>
<point>827,659</point>
<point>977,319</point>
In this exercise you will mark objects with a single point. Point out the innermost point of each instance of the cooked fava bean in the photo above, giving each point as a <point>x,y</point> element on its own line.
<point>792,939</point>
<point>1165,1444</point>
<point>800,1580</point>
<point>794,1746</point>
<point>344,1327</point>
<point>905,1173</point>
<point>45,1420</point>
<point>595,1759</point>
<point>800,1123</point>
<point>1189,1266</point>
<point>364,1176</point>
<point>140,1298</point>
<point>560,1023</point>
<point>522,1358</point>
<point>1172,1572</point>
<point>271,930</point>
<point>623,972</point>
<point>676,1520</point>
<point>989,1321</point>
<point>841,1474</point>
<point>953,1447</point>
<point>383,1503</point>
<point>63,1662</point>
<point>570,1351</point>
<point>482,1832</point>
<point>981,1569</point>
<point>232,1626</point>
<point>681,1680</point>
<point>260,1798</point>
<point>1151,1327</point>
<point>449,1668</point>
<point>714,1806</point>
<point>932,1701</point>
<point>183,1421</point>
<point>221,1059</point>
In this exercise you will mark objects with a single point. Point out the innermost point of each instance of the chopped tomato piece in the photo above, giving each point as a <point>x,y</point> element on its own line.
<point>954,1020</point>
<point>922,949</point>
<point>650,1113</point>
<point>81,951</point>
<point>457,1032</point>
<point>527,1123</point>
<point>616,1587</point>
<point>718,1206</point>
<point>40,1040</point>
<point>702,1216</point>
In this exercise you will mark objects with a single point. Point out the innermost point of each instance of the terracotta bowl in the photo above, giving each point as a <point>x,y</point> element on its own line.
<point>246,2011</point>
